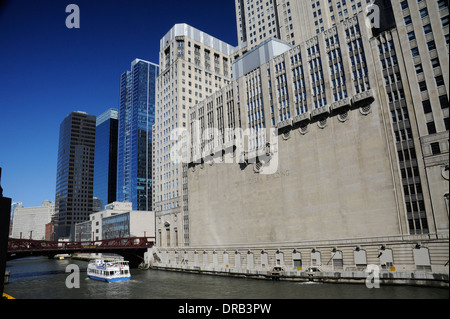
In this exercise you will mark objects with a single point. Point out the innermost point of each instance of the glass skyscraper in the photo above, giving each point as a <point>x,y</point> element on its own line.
<point>105,163</point>
<point>75,172</point>
<point>136,117</point>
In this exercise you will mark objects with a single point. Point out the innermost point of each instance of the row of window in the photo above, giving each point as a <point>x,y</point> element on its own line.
<point>415,52</point>
<point>406,154</point>
<point>421,256</point>
<point>442,4</point>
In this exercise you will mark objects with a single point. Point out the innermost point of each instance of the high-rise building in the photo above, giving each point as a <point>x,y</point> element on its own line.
<point>136,117</point>
<point>75,172</point>
<point>193,65</point>
<point>295,21</point>
<point>345,145</point>
<point>414,58</point>
<point>105,163</point>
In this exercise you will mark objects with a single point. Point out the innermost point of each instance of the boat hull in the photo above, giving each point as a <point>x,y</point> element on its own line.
<point>109,279</point>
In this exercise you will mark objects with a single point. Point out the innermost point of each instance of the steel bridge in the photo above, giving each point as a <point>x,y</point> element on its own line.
<point>132,249</point>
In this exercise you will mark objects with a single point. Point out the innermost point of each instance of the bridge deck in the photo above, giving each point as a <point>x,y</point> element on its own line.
<point>127,247</point>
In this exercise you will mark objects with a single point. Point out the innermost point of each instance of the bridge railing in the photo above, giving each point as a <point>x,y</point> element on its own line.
<point>18,244</point>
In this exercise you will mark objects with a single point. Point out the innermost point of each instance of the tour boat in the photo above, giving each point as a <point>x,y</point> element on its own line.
<point>108,270</point>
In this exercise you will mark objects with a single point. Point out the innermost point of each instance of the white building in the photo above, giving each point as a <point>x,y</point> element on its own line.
<point>29,222</point>
<point>116,220</point>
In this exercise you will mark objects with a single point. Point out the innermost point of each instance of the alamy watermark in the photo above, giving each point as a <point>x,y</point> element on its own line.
<point>372,16</point>
<point>73,19</point>
<point>73,279</point>
<point>232,145</point>
<point>373,277</point>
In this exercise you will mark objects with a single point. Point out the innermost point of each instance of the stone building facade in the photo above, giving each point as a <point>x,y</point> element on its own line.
<point>322,155</point>
<point>193,65</point>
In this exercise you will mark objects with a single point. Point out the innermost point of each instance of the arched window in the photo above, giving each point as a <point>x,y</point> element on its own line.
<point>297,260</point>
<point>237,260</point>
<point>279,256</point>
<point>337,261</point>
<point>205,258</point>
<point>422,258</point>
<point>250,260</point>
<point>386,258</point>
<point>226,261</point>
<point>360,259</point>
<point>315,258</point>
<point>264,259</point>
<point>196,258</point>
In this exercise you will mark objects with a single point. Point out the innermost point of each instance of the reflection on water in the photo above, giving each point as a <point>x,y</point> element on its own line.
<point>41,278</point>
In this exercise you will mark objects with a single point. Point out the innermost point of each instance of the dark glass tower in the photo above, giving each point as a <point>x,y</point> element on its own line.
<point>75,172</point>
<point>136,117</point>
<point>105,164</point>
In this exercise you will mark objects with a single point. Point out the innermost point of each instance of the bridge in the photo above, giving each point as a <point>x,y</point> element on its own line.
<point>131,249</point>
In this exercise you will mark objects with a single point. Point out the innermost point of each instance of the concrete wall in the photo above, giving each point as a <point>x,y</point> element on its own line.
<point>332,183</point>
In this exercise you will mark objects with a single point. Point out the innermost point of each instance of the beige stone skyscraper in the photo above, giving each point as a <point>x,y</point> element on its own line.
<point>193,65</point>
<point>295,21</point>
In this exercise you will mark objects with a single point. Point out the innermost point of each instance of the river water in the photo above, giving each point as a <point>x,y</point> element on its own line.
<point>42,278</point>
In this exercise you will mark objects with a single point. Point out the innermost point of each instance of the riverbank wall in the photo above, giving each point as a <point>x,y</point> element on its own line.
<point>345,277</point>
<point>419,261</point>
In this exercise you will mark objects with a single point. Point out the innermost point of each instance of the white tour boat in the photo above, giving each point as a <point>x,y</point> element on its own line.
<point>109,270</point>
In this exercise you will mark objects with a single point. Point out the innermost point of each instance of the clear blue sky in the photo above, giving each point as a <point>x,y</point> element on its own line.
<point>48,71</point>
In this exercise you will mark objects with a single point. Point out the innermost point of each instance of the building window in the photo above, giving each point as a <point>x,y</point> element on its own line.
<point>338,262</point>
<point>426,106</point>
<point>404,4</point>
<point>431,128</point>
<point>427,28</point>
<point>422,86</point>
<point>407,20</point>
<point>439,80</point>
<point>176,237</point>
<point>443,101</point>
<point>386,258</point>
<point>423,12</point>
<point>442,4</point>
<point>315,258</point>
<point>422,258</point>
<point>360,259</point>
<point>418,68</point>
<point>431,45</point>
<point>435,62</point>
<point>435,148</point>
<point>167,237</point>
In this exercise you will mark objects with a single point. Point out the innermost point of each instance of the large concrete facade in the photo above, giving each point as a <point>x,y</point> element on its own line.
<point>338,183</point>
<point>349,164</point>
<point>332,183</point>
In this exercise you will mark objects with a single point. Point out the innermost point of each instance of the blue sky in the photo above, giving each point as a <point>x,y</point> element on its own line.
<point>48,71</point>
